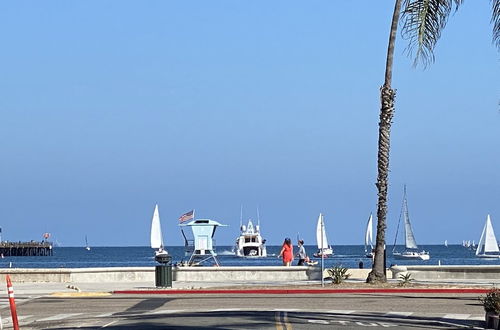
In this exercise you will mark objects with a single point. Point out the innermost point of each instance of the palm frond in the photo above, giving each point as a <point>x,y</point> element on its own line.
<point>423,21</point>
<point>495,19</point>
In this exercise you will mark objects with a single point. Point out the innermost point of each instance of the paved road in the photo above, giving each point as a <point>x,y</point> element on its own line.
<point>352,311</point>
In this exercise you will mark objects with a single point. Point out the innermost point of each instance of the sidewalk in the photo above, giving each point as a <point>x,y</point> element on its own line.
<point>354,286</point>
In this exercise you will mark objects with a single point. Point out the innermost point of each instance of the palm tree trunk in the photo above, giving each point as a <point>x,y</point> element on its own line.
<point>387,96</point>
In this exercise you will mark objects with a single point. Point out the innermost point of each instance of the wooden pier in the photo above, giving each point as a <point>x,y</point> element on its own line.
<point>25,249</point>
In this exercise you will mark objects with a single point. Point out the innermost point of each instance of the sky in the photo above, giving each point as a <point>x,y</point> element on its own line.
<point>108,107</point>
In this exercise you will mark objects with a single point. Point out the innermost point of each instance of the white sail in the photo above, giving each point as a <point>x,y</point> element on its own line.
<point>410,242</point>
<point>321,233</point>
<point>156,236</point>
<point>487,242</point>
<point>369,234</point>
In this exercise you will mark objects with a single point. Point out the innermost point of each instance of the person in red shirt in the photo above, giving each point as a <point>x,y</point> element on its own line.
<point>286,252</point>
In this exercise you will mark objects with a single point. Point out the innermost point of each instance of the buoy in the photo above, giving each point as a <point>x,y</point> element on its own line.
<point>12,302</point>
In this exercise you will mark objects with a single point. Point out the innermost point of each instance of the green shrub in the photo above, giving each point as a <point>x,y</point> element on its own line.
<point>405,279</point>
<point>338,274</point>
<point>491,302</point>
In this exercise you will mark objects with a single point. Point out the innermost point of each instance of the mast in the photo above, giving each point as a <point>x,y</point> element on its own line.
<point>399,222</point>
<point>322,250</point>
<point>241,215</point>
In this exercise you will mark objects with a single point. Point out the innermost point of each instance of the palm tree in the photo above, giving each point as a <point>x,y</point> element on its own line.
<point>423,21</point>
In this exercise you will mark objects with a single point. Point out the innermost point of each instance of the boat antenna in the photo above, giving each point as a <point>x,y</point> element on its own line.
<point>399,221</point>
<point>241,215</point>
<point>258,216</point>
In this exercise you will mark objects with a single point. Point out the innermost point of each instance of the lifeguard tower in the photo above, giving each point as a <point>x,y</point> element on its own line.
<point>202,246</point>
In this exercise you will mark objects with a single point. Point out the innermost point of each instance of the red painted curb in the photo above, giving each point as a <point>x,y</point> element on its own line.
<point>300,291</point>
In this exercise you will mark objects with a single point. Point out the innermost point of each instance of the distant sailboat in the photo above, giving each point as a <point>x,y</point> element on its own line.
<point>369,238</point>
<point>87,247</point>
<point>488,245</point>
<point>156,235</point>
<point>446,243</point>
<point>324,249</point>
<point>411,251</point>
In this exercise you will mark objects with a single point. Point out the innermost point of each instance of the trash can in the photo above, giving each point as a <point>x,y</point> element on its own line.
<point>163,276</point>
<point>163,272</point>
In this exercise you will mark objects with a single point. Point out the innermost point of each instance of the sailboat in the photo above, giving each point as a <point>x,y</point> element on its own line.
<point>87,247</point>
<point>411,251</point>
<point>156,236</point>
<point>369,238</point>
<point>324,249</point>
<point>488,246</point>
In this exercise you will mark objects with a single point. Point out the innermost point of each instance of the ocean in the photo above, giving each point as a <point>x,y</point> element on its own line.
<point>345,255</point>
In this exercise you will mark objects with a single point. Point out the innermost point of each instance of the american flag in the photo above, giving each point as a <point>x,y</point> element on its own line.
<point>186,216</point>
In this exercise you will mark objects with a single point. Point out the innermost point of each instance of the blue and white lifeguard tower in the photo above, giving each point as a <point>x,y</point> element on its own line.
<point>202,246</point>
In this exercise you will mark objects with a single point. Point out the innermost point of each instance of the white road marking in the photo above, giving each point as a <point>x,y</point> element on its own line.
<point>59,317</point>
<point>285,310</point>
<point>405,314</point>
<point>8,320</point>
<point>477,318</point>
<point>457,316</point>
<point>104,326</point>
<point>339,311</point>
<point>104,315</point>
<point>225,310</point>
<point>166,311</point>
<point>318,321</point>
<point>366,324</point>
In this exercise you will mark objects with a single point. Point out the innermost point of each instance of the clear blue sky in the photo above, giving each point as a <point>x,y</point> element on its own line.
<point>108,107</point>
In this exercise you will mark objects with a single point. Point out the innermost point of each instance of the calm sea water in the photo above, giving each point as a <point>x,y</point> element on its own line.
<point>346,255</point>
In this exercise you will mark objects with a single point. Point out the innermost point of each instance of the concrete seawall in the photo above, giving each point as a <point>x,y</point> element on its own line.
<point>479,273</point>
<point>80,275</point>
<point>147,274</point>
<point>458,272</point>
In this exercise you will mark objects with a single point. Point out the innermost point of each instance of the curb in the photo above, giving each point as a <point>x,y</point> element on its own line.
<point>298,291</point>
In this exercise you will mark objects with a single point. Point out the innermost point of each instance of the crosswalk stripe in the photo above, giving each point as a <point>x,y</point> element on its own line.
<point>59,317</point>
